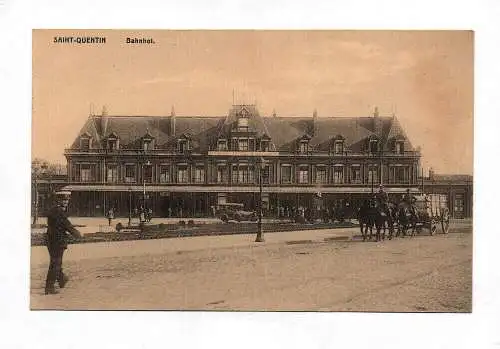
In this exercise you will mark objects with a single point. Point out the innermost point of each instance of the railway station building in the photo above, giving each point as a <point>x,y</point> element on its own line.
<point>185,165</point>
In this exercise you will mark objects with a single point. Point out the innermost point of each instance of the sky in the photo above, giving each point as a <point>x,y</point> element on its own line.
<point>424,77</point>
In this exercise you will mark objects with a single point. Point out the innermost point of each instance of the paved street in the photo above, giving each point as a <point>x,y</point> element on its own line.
<point>308,270</point>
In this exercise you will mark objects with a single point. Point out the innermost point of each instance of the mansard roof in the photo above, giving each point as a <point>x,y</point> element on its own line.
<point>284,132</point>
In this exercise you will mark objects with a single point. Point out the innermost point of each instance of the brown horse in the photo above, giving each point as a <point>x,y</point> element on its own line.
<point>366,218</point>
<point>372,215</point>
<point>406,219</point>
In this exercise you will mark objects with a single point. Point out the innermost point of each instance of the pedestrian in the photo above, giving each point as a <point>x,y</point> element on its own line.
<point>57,233</point>
<point>150,214</point>
<point>169,211</point>
<point>111,215</point>
<point>142,215</point>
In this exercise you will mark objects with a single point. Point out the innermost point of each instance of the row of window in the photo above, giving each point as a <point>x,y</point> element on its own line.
<point>242,144</point>
<point>242,173</point>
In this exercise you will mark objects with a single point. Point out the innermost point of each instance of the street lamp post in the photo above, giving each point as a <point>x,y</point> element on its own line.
<point>144,186</point>
<point>35,213</point>
<point>129,206</point>
<point>36,173</point>
<point>259,237</point>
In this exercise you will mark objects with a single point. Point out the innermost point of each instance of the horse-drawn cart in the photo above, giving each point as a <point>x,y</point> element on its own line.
<point>432,210</point>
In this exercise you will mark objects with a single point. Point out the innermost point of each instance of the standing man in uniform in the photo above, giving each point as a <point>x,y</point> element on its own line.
<point>58,228</point>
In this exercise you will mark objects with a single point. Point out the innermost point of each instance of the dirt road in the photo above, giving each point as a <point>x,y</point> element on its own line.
<point>422,274</point>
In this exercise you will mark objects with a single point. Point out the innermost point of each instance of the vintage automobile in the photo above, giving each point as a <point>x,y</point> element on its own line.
<point>235,212</point>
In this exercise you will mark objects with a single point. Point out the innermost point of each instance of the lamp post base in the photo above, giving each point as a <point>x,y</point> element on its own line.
<point>259,237</point>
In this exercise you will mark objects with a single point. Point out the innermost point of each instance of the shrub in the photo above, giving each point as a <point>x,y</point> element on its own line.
<point>190,223</point>
<point>182,223</point>
<point>119,227</point>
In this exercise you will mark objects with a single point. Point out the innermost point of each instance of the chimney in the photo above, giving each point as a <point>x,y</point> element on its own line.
<point>104,120</point>
<point>377,123</point>
<point>172,122</point>
<point>274,113</point>
<point>315,122</point>
<point>431,174</point>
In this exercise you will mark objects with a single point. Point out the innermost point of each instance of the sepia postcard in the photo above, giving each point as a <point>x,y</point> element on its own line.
<point>252,170</point>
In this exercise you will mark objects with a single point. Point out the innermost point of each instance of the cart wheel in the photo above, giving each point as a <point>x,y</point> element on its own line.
<point>445,221</point>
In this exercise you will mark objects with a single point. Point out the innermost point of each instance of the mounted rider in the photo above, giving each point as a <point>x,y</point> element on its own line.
<point>382,198</point>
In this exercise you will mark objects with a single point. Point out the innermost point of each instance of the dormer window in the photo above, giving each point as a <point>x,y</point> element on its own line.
<point>399,142</point>
<point>85,143</point>
<point>112,142</point>
<point>222,144</point>
<point>243,120</point>
<point>338,145</point>
<point>147,141</point>
<point>373,145</point>
<point>264,145</point>
<point>399,148</point>
<point>182,145</point>
<point>304,147</point>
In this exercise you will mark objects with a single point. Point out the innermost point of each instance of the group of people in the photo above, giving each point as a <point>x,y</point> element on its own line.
<point>382,199</point>
<point>144,214</point>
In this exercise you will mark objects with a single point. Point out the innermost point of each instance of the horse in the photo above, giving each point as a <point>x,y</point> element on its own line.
<point>367,217</point>
<point>384,219</point>
<point>406,219</point>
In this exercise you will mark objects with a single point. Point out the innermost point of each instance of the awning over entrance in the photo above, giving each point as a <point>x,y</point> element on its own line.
<point>232,189</point>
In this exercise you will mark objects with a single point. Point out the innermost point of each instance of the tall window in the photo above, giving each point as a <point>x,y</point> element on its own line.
<point>242,144</point>
<point>199,175</point>
<point>303,175</point>
<point>373,146</point>
<point>164,174</point>
<point>303,147</point>
<point>372,175</point>
<point>338,175</point>
<point>85,173</point>
<point>182,174</point>
<point>355,175</point>
<point>130,173</point>
<point>112,175</point>
<point>243,174</point>
<point>146,145</point>
<point>286,174</point>
<point>221,174</point>
<point>266,174</point>
<point>321,175</point>
<point>400,174</point>
<point>459,205</point>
